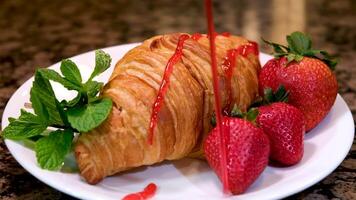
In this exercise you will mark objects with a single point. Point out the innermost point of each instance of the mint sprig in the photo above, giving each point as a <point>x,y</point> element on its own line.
<point>300,45</point>
<point>52,149</point>
<point>86,117</point>
<point>71,72</point>
<point>44,102</point>
<point>26,126</point>
<point>81,114</point>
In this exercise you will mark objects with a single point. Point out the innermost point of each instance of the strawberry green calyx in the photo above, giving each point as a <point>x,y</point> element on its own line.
<point>300,45</point>
<point>280,95</point>
<point>270,96</point>
<point>250,115</point>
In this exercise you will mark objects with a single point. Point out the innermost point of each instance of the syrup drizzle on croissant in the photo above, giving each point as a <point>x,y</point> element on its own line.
<point>165,82</point>
<point>230,62</point>
<point>228,66</point>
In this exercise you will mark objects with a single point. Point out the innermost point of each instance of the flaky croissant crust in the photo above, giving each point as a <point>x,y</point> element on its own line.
<point>120,143</point>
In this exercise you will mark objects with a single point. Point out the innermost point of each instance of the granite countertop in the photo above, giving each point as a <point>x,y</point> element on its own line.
<point>39,33</point>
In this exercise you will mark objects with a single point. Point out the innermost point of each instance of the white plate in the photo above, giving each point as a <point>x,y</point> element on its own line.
<point>325,148</point>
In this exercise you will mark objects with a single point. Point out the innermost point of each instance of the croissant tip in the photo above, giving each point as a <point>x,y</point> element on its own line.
<point>92,181</point>
<point>86,169</point>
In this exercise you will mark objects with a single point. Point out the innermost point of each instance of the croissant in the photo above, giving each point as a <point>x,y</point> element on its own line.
<point>120,143</point>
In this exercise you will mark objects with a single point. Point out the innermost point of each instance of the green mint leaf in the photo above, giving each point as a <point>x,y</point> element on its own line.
<point>55,76</point>
<point>93,88</point>
<point>71,72</point>
<point>87,117</point>
<point>11,119</point>
<point>51,150</point>
<point>27,125</point>
<point>43,100</point>
<point>72,102</point>
<point>102,63</point>
<point>298,43</point>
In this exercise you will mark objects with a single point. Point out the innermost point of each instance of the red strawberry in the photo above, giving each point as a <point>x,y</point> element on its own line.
<point>247,153</point>
<point>311,84</point>
<point>284,125</point>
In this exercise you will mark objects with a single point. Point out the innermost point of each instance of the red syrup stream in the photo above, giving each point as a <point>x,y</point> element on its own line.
<point>229,64</point>
<point>223,129</point>
<point>147,193</point>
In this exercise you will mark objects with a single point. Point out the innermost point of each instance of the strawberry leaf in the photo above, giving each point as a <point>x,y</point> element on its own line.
<point>236,112</point>
<point>280,95</point>
<point>329,59</point>
<point>300,45</point>
<point>268,96</point>
<point>278,48</point>
<point>251,115</point>
<point>290,57</point>
<point>298,58</point>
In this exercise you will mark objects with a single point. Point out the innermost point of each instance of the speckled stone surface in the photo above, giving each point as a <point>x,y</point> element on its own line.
<point>39,33</point>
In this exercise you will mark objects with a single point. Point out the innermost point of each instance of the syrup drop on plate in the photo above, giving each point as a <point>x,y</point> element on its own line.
<point>148,192</point>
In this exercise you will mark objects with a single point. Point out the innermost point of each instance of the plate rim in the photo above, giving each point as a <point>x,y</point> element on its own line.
<point>81,195</point>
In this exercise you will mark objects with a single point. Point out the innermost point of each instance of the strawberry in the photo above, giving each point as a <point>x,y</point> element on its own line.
<point>247,153</point>
<point>284,125</point>
<point>305,73</point>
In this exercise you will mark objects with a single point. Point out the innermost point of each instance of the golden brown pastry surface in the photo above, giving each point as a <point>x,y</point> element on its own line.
<point>120,143</point>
